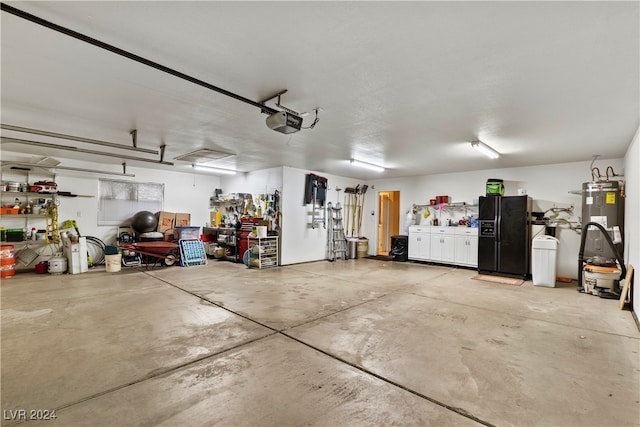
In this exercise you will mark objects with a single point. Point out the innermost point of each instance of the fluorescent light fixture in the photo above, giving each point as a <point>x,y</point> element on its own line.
<point>485,149</point>
<point>366,165</point>
<point>214,170</point>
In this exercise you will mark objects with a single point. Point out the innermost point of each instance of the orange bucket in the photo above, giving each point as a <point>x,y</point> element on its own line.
<point>7,261</point>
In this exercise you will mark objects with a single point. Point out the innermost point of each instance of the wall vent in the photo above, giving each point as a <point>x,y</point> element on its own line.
<point>203,155</point>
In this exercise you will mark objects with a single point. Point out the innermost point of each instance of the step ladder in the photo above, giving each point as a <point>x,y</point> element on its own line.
<point>337,243</point>
<point>318,209</point>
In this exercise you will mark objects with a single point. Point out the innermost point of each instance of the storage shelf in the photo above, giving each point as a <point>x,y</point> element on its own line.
<point>226,237</point>
<point>37,195</point>
<point>27,193</point>
<point>267,252</point>
<point>28,242</point>
<point>7,216</point>
<point>457,205</point>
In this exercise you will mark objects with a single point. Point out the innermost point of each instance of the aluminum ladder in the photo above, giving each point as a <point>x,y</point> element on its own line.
<point>337,240</point>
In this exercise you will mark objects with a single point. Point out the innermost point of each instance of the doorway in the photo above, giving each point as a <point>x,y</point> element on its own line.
<point>388,219</point>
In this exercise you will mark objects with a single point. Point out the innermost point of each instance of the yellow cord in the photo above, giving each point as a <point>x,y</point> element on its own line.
<point>52,224</point>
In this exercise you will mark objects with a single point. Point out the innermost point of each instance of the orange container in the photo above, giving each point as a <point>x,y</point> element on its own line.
<point>6,262</point>
<point>7,271</point>
<point>7,251</point>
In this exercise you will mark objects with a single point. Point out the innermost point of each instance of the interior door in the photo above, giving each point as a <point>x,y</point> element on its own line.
<point>388,219</point>
<point>384,238</point>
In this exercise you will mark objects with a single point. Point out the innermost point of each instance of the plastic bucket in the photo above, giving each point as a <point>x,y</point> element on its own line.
<point>363,248</point>
<point>7,261</point>
<point>113,263</point>
<point>7,252</point>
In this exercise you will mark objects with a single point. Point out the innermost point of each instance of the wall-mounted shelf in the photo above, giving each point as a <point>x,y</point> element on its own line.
<point>28,242</point>
<point>10,216</point>
<point>457,205</point>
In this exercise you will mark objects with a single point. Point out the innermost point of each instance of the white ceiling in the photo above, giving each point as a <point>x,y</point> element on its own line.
<point>402,84</point>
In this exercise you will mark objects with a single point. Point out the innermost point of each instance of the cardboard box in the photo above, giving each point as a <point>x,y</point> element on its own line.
<point>166,221</point>
<point>76,254</point>
<point>182,220</point>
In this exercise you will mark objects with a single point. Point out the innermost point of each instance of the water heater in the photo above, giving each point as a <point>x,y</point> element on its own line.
<point>603,202</point>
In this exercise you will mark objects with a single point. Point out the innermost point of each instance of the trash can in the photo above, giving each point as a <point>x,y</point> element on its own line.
<point>543,261</point>
<point>400,248</point>
<point>352,248</point>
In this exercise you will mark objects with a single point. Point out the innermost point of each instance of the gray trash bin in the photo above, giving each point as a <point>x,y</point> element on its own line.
<point>352,248</point>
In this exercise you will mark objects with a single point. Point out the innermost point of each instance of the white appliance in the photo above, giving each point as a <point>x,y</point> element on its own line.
<point>76,254</point>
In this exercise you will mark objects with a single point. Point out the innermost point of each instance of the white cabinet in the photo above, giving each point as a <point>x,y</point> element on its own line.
<point>466,247</point>
<point>447,245</point>
<point>419,244</point>
<point>442,244</point>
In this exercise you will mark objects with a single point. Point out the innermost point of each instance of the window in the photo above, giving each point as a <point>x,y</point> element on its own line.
<point>120,200</point>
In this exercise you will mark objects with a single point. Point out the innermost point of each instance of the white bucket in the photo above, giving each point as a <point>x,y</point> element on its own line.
<point>261,231</point>
<point>113,263</point>
<point>599,279</point>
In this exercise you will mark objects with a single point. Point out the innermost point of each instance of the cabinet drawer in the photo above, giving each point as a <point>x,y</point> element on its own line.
<point>442,230</point>
<point>466,231</point>
<point>418,229</point>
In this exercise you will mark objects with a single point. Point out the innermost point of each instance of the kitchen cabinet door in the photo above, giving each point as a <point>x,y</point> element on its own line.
<point>462,250</point>
<point>466,251</point>
<point>448,247</point>
<point>418,245</point>
<point>473,252</point>
<point>442,245</point>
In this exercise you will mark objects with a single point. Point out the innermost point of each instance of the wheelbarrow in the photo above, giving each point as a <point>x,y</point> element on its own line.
<point>155,253</point>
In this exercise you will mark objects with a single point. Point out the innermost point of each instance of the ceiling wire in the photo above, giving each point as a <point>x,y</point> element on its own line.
<point>315,122</point>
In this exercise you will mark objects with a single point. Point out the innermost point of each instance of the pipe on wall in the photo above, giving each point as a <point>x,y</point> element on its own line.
<point>76,138</point>
<point>8,140</point>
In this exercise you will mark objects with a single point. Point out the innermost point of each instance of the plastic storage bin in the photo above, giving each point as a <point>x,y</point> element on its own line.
<point>543,261</point>
<point>187,233</point>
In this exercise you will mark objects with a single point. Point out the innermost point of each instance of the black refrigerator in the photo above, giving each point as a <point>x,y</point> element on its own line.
<point>503,240</point>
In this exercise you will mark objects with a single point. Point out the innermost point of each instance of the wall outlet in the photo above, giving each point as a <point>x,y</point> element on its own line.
<point>79,214</point>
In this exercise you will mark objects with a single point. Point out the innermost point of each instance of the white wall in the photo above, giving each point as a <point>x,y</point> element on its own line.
<point>548,186</point>
<point>301,243</point>
<point>632,214</point>
<point>183,192</point>
<point>264,181</point>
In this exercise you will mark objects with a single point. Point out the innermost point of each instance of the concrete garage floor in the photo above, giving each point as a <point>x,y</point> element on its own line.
<point>349,343</point>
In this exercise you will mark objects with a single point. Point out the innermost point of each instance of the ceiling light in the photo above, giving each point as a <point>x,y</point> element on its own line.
<point>366,165</point>
<point>485,149</point>
<point>214,170</point>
